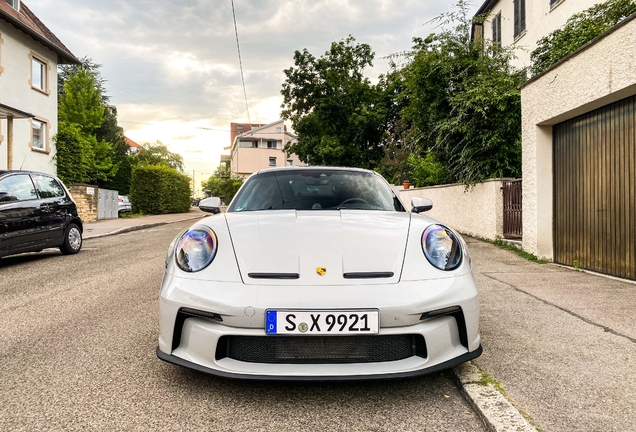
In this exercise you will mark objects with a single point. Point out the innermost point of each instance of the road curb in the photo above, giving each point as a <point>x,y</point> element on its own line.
<point>139,227</point>
<point>495,411</point>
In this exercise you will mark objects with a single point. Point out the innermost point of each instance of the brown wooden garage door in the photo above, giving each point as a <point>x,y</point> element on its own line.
<point>595,190</point>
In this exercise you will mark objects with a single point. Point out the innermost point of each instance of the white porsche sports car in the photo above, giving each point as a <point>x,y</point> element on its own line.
<point>318,273</point>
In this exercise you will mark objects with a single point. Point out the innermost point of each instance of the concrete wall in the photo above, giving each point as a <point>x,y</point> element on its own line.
<point>16,91</point>
<point>540,21</point>
<point>599,74</point>
<point>477,211</point>
<point>86,198</point>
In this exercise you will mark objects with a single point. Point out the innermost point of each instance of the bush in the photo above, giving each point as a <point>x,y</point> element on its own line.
<point>158,190</point>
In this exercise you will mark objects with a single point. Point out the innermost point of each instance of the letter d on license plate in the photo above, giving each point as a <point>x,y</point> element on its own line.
<point>322,322</point>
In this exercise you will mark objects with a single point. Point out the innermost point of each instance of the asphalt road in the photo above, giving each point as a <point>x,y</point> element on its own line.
<point>77,352</point>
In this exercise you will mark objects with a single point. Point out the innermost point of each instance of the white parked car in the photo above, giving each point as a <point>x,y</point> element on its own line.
<point>123,204</point>
<point>318,273</point>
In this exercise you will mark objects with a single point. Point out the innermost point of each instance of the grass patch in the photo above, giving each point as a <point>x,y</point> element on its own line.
<point>488,380</point>
<point>505,245</point>
<point>131,215</point>
<point>518,251</point>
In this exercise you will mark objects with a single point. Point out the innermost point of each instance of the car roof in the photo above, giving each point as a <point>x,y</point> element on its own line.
<point>313,168</point>
<point>2,172</point>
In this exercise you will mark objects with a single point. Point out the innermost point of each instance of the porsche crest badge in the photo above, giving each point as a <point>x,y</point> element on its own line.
<point>321,271</point>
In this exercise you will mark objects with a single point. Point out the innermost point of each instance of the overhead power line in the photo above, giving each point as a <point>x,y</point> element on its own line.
<point>238,47</point>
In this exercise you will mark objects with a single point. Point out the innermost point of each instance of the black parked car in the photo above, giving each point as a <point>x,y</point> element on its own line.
<point>37,212</point>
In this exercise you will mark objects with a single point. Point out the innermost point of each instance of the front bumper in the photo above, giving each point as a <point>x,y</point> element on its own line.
<point>234,309</point>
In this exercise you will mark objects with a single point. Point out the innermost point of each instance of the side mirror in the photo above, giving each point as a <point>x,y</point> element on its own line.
<point>421,205</point>
<point>211,205</point>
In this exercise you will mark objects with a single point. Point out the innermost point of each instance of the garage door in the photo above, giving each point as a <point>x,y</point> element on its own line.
<point>595,190</point>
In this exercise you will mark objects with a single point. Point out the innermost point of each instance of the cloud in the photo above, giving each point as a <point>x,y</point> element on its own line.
<point>172,67</point>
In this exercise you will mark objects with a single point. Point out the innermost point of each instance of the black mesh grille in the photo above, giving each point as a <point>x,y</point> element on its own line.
<point>320,349</point>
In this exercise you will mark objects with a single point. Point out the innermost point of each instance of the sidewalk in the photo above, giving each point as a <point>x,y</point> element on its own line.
<point>115,226</point>
<point>561,342</point>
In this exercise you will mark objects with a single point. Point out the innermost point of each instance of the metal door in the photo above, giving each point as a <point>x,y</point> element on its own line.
<point>512,210</point>
<point>595,190</point>
<point>107,204</point>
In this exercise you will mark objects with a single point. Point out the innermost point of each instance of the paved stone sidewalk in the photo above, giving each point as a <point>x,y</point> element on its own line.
<point>561,342</point>
<point>113,226</point>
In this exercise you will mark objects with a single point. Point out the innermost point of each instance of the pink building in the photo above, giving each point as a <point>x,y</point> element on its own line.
<point>256,147</point>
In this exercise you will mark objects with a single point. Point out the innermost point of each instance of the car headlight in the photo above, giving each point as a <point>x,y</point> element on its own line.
<point>441,247</point>
<point>196,249</point>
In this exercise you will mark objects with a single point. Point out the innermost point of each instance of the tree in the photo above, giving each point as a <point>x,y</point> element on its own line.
<point>86,64</point>
<point>222,184</point>
<point>158,154</point>
<point>110,132</point>
<point>333,107</point>
<point>81,102</point>
<point>579,29</point>
<point>464,101</point>
<point>74,155</point>
<point>84,153</point>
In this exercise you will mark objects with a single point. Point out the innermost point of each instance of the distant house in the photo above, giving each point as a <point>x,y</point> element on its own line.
<point>134,147</point>
<point>257,147</point>
<point>29,55</point>
<point>521,24</point>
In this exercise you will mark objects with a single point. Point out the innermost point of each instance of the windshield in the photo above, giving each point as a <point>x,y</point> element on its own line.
<point>315,189</point>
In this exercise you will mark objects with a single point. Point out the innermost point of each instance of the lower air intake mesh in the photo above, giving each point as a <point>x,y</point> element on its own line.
<point>320,349</point>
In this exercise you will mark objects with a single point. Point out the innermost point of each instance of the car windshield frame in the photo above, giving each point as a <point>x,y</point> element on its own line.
<point>315,189</point>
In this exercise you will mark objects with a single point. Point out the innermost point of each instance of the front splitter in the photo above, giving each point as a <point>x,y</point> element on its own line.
<point>429,370</point>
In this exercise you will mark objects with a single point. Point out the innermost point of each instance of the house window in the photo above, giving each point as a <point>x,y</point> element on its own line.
<point>520,17</point>
<point>496,29</point>
<point>272,161</point>
<point>39,74</point>
<point>239,127</point>
<point>38,135</point>
<point>554,3</point>
<point>271,144</point>
<point>15,4</point>
<point>290,162</point>
<point>248,144</point>
<point>279,129</point>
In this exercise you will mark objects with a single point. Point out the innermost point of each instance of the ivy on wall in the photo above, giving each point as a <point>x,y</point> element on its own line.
<point>580,29</point>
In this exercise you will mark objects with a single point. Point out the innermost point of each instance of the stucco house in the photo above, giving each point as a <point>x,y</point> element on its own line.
<point>29,55</point>
<point>254,148</point>
<point>579,156</point>
<point>520,24</point>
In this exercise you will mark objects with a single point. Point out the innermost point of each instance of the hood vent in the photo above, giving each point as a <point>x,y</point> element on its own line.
<point>274,275</point>
<point>368,275</point>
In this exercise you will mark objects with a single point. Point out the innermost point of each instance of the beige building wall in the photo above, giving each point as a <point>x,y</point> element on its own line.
<point>599,74</point>
<point>541,20</point>
<point>246,161</point>
<point>16,91</point>
<point>477,211</point>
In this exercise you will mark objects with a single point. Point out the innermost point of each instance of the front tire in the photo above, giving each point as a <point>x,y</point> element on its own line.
<point>72,240</point>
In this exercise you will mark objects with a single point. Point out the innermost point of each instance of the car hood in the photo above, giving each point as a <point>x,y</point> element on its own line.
<point>345,247</point>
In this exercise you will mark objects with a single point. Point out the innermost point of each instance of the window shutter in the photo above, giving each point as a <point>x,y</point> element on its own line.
<point>522,16</point>
<point>516,17</point>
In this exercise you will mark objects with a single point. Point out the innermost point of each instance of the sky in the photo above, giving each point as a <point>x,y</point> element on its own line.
<point>172,67</point>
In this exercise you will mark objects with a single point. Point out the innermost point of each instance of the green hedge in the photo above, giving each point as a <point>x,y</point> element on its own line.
<point>159,189</point>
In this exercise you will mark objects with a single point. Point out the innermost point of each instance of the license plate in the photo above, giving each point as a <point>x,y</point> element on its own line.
<point>322,322</point>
